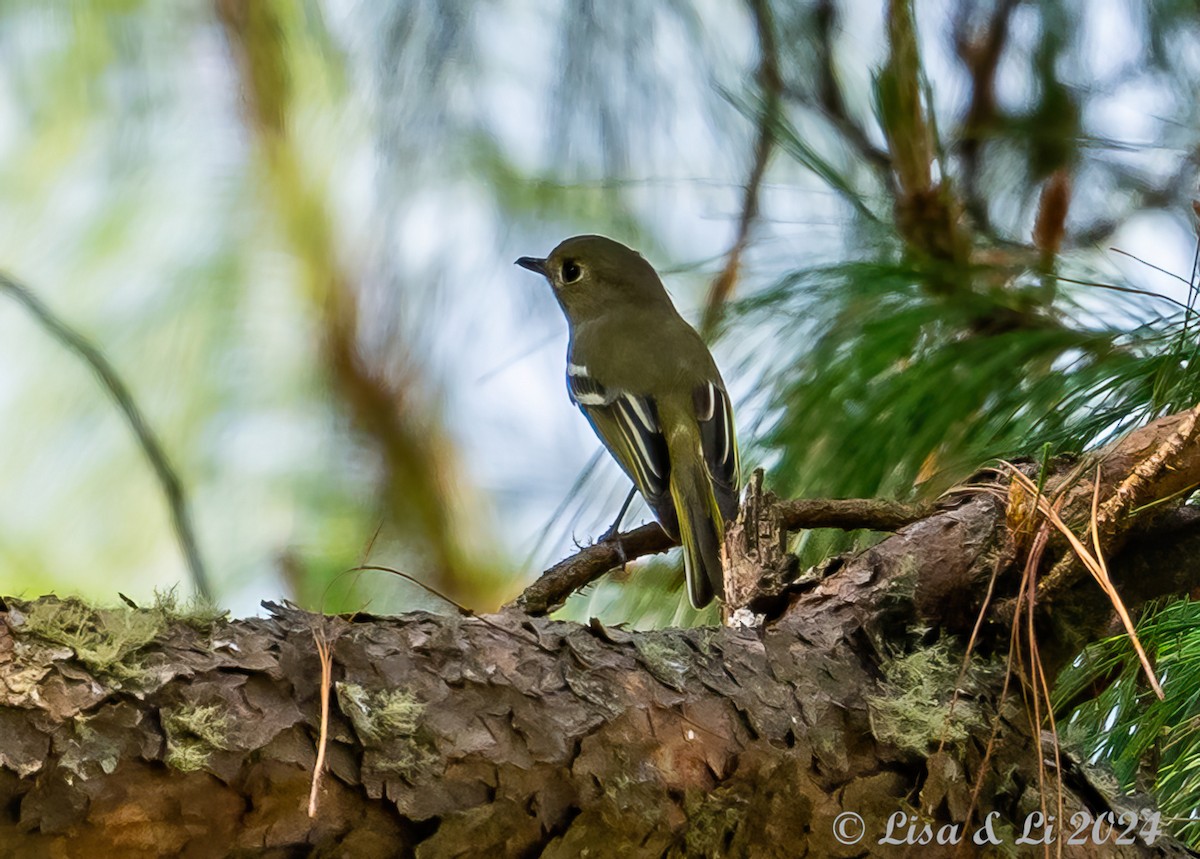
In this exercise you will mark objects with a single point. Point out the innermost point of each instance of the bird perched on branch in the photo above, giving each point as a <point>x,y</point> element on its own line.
<point>650,389</point>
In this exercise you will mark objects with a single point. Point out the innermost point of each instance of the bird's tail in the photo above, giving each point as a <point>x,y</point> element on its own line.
<point>701,525</point>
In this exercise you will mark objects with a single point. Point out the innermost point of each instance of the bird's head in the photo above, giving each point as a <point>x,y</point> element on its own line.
<point>593,274</point>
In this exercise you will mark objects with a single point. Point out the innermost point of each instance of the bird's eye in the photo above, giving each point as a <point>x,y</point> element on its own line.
<point>571,271</point>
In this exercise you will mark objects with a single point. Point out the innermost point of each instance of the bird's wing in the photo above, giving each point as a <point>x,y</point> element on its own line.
<point>718,443</point>
<point>629,427</point>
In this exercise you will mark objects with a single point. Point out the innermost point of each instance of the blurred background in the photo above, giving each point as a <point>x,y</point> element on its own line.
<point>289,227</point>
<point>261,323</point>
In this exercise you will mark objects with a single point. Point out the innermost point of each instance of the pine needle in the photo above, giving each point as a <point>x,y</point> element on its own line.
<point>1095,564</point>
<point>325,651</point>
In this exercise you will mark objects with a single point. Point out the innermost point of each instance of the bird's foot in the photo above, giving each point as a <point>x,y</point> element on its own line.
<point>613,537</point>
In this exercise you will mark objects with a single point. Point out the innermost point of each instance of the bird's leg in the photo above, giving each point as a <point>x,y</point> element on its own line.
<point>613,530</point>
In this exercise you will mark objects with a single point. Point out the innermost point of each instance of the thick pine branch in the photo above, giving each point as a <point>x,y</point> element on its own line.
<point>137,734</point>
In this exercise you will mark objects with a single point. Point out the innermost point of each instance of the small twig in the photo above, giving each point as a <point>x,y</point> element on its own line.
<point>172,487</point>
<point>462,609</point>
<point>925,206</point>
<point>581,569</point>
<point>850,514</point>
<point>832,101</point>
<point>771,82</point>
<point>903,114</point>
<point>1143,193</point>
<point>981,56</point>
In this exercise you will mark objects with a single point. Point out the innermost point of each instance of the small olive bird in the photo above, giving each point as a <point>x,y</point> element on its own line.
<point>650,389</point>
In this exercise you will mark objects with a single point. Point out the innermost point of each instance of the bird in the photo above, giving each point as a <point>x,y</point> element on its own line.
<point>648,385</point>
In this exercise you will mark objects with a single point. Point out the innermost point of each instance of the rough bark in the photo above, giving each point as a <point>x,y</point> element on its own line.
<point>137,733</point>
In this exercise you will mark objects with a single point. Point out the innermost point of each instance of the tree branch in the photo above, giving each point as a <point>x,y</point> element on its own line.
<point>771,83</point>
<point>168,479</point>
<point>452,736</point>
<point>927,211</point>
<point>1157,462</point>
<point>421,481</point>
<point>981,55</point>
<point>833,102</point>
<point>566,577</point>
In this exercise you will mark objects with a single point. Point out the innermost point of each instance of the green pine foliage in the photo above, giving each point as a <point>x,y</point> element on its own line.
<point>1122,726</point>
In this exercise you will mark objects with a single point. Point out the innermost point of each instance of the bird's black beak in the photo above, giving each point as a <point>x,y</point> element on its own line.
<point>534,265</point>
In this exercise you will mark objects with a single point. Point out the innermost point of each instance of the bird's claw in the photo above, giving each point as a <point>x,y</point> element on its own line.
<point>613,537</point>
